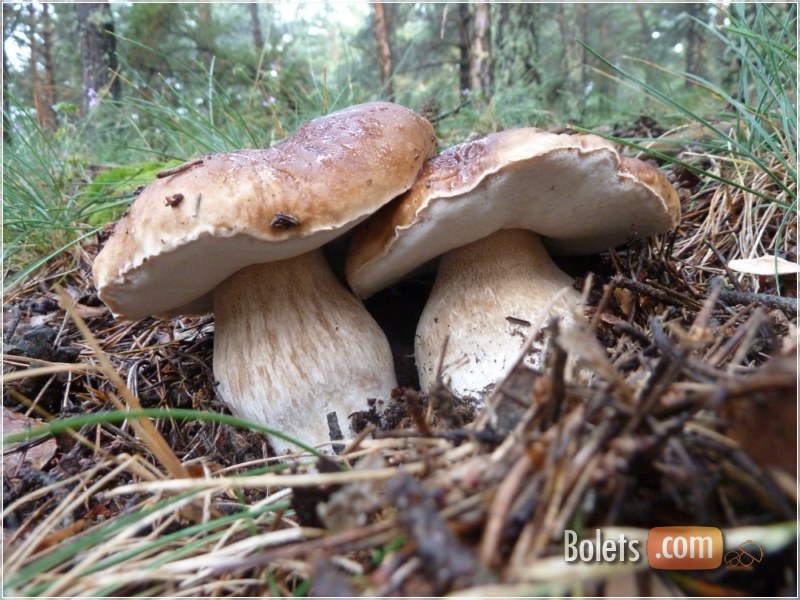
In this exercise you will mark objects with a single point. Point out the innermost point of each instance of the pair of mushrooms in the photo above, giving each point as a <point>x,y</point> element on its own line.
<point>240,234</point>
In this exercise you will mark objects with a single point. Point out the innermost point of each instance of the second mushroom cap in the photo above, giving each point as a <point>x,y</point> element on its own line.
<point>577,192</point>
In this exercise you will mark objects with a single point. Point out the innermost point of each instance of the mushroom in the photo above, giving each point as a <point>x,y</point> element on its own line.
<point>492,208</point>
<point>294,349</point>
<point>766,265</point>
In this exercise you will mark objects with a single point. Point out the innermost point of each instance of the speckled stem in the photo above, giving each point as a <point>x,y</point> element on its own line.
<point>487,297</point>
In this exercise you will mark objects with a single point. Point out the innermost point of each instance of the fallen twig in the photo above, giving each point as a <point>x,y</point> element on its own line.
<point>660,294</point>
<point>784,303</point>
<point>179,169</point>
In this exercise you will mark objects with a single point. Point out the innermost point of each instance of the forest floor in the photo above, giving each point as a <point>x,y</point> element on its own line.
<point>689,418</point>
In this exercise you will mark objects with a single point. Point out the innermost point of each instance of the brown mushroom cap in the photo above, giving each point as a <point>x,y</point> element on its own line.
<point>188,231</point>
<point>577,191</point>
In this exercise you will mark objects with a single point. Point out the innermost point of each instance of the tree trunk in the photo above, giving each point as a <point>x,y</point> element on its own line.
<point>98,52</point>
<point>602,86</point>
<point>644,27</point>
<point>583,28</point>
<point>6,103</point>
<point>480,70</point>
<point>694,42</point>
<point>255,27</point>
<point>205,38</point>
<point>464,20</point>
<point>503,28</point>
<point>49,89</point>
<point>529,27</point>
<point>42,104</point>
<point>10,16</point>
<point>728,63</point>
<point>33,73</point>
<point>516,46</point>
<point>646,33</point>
<point>384,48</point>
<point>571,58</point>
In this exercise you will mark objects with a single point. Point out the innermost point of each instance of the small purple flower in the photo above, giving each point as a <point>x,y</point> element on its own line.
<point>91,95</point>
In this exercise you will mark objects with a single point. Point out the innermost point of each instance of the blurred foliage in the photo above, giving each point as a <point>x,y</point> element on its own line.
<point>194,80</point>
<point>318,57</point>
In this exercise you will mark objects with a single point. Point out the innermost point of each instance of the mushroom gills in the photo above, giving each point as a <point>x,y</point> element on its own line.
<point>485,295</point>
<point>292,345</point>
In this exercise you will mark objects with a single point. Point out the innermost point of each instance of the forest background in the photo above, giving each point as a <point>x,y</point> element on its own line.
<point>98,96</point>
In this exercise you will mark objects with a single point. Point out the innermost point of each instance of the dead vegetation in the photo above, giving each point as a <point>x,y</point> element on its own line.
<point>673,403</point>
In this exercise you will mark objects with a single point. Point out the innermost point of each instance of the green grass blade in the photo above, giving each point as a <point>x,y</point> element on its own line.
<point>73,423</point>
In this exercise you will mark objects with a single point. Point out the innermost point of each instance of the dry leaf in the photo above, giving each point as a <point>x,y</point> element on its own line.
<point>35,456</point>
<point>765,423</point>
<point>625,300</point>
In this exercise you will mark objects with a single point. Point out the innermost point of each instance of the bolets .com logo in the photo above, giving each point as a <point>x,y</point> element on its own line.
<point>673,548</point>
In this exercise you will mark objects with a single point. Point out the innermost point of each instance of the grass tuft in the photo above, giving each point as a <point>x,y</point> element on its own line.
<point>745,152</point>
<point>42,217</point>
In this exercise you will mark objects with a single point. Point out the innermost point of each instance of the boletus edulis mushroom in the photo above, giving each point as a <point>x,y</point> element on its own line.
<point>240,233</point>
<point>494,209</point>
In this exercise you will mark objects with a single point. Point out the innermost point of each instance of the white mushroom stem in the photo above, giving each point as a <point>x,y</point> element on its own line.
<point>487,297</point>
<point>293,347</point>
